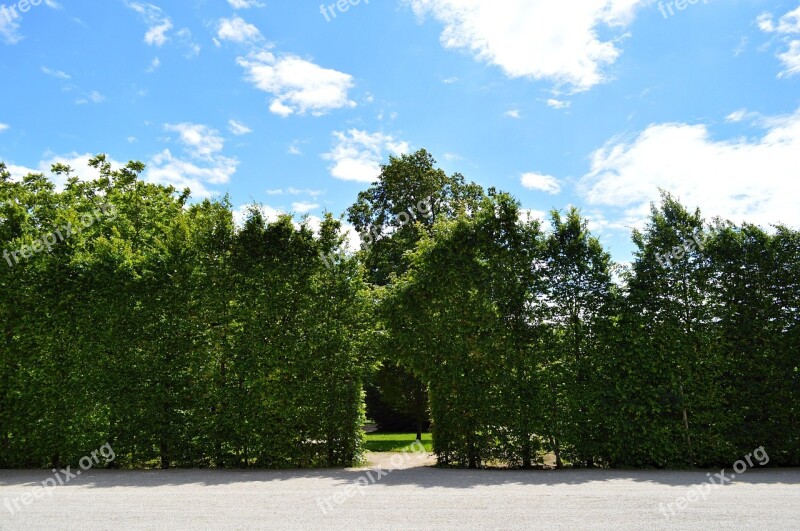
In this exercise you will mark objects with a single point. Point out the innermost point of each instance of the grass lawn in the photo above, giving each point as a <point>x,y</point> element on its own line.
<point>396,442</point>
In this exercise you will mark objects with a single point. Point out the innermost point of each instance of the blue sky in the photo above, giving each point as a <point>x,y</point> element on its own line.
<point>593,103</point>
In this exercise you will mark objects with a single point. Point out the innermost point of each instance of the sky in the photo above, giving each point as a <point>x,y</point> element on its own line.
<point>294,105</point>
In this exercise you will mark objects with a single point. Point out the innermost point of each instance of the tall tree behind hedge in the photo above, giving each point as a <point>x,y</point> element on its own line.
<point>409,196</point>
<point>459,316</point>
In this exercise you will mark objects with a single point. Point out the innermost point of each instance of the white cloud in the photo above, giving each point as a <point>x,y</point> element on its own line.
<point>202,141</point>
<point>513,113</point>
<point>791,59</point>
<point>357,155</point>
<point>539,39</point>
<point>296,191</point>
<point>280,108</point>
<point>157,35</point>
<point>750,180</point>
<point>787,24</point>
<point>737,116</point>
<point>238,128</point>
<point>294,149</point>
<point>541,215</point>
<point>270,214</point>
<point>78,162</point>
<point>204,166</point>
<point>169,170</point>
<point>4,127</point>
<point>158,24</point>
<point>245,4</point>
<point>788,28</point>
<point>92,97</point>
<point>237,30</point>
<point>158,27</point>
<point>185,39</point>
<point>558,104</point>
<point>164,169</point>
<point>303,207</point>
<point>298,86</point>
<point>154,65</point>
<point>542,183</point>
<point>55,73</point>
<point>18,172</point>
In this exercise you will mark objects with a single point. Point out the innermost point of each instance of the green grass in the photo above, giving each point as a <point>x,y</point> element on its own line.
<point>396,442</point>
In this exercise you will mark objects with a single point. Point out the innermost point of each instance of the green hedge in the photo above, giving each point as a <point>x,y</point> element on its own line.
<point>529,345</point>
<point>174,336</point>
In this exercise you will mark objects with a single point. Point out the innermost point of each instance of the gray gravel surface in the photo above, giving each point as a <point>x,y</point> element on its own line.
<point>413,496</point>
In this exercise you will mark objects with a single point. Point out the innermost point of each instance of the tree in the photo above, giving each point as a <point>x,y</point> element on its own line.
<point>405,202</point>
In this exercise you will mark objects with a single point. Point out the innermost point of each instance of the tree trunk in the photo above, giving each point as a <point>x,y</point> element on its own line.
<point>557,450</point>
<point>473,459</point>
<point>526,453</point>
<point>686,426</point>
<point>164,455</point>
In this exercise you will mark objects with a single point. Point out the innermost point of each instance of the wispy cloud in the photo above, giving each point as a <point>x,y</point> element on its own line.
<point>92,97</point>
<point>160,26</point>
<point>558,104</point>
<point>158,23</point>
<point>295,191</point>
<point>245,4</point>
<point>787,28</point>
<point>55,73</point>
<point>294,148</point>
<point>238,128</point>
<point>154,65</point>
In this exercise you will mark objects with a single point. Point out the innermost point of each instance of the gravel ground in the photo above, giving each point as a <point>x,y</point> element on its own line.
<point>412,496</point>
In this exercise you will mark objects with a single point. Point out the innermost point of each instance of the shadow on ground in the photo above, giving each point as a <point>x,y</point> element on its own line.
<point>410,470</point>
